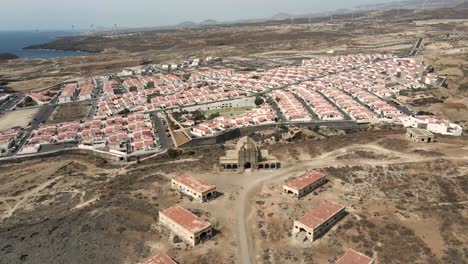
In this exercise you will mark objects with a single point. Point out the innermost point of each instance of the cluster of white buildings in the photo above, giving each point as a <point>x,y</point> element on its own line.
<point>432,124</point>
<point>68,93</point>
<point>317,102</point>
<point>118,135</point>
<point>290,106</point>
<point>150,93</point>
<point>264,114</point>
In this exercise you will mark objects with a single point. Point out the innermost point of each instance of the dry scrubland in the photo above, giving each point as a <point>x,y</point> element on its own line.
<point>406,202</point>
<point>84,209</point>
<point>18,118</point>
<point>71,112</point>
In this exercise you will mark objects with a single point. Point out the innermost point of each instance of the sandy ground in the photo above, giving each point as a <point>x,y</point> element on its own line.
<point>71,112</point>
<point>109,211</point>
<point>272,213</point>
<point>17,118</point>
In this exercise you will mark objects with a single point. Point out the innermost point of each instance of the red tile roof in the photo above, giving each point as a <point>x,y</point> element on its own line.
<point>305,180</point>
<point>353,257</point>
<point>185,218</point>
<point>194,183</point>
<point>160,258</point>
<point>320,214</point>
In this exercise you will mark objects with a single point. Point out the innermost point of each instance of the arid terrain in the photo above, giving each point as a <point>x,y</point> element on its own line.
<point>79,209</point>
<point>405,202</point>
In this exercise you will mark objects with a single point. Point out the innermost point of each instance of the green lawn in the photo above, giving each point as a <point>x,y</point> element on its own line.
<point>229,111</point>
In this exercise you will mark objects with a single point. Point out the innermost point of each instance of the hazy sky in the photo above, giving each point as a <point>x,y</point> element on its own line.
<point>62,14</point>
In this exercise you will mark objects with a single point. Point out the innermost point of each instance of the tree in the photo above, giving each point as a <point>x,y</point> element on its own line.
<point>259,101</point>
<point>198,115</point>
<point>173,153</point>
<point>214,115</point>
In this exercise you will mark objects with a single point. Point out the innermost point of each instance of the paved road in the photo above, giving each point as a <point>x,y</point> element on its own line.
<point>417,47</point>
<point>346,116</point>
<point>93,109</point>
<point>275,107</point>
<point>307,106</point>
<point>164,140</point>
<point>41,117</point>
<point>14,99</point>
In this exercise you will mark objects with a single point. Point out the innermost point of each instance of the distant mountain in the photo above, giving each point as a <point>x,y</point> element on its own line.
<point>187,24</point>
<point>463,5</point>
<point>8,56</point>
<point>281,16</point>
<point>209,22</point>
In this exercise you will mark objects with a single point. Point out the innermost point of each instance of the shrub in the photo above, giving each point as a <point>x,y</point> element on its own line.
<point>259,101</point>
<point>173,153</point>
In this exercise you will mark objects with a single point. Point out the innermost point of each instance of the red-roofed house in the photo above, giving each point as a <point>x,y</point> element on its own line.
<point>353,257</point>
<point>160,258</point>
<point>304,184</point>
<point>318,221</point>
<point>194,187</point>
<point>186,225</point>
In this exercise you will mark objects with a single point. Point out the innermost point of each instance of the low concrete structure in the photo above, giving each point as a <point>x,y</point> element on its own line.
<point>160,258</point>
<point>247,156</point>
<point>318,221</point>
<point>194,187</point>
<point>419,135</point>
<point>353,257</point>
<point>304,184</point>
<point>186,225</point>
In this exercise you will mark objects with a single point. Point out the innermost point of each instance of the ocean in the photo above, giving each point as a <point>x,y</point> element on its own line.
<point>14,42</point>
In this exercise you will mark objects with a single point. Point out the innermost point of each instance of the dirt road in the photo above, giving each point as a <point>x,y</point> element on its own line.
<point>247,250</point>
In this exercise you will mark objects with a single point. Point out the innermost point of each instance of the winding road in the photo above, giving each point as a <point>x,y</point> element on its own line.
<point>247,252</point>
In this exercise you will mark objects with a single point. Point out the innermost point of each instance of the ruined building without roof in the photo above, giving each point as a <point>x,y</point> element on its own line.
<point>247,156</point>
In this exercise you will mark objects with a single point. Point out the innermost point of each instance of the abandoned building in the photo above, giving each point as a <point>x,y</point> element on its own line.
<point>304,184</point>
<point>419,135</point>
<point>186,225</point>
<point>193,187</point>
<point>247,156</point>
<point>318,221</point>
<point>353,257</point>
<point>160,258</point>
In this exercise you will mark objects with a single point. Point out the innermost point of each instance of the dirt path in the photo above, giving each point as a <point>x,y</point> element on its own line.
<point>247,250</point>
<point>26,195</point>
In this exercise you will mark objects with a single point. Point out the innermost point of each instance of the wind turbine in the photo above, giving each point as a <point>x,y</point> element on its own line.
<point>399,6</point>
<point>424,5</point>
<point>91,29</point>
